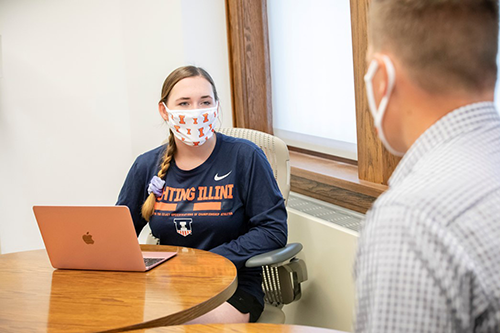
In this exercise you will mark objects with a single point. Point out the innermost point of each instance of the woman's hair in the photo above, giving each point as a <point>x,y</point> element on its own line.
<point>174,77</point>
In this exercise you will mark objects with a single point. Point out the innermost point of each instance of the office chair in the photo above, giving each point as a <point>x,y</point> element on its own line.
<point>282,272</point>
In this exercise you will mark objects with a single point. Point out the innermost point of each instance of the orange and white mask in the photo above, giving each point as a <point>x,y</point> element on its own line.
<point>193,127</point>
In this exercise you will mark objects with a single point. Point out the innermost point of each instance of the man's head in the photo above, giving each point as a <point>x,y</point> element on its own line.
<point>440,48</point>
<point>445,44</point>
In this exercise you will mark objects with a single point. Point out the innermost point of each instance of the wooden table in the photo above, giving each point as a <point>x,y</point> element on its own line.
<point>35,297</point>
<point>238,328</point>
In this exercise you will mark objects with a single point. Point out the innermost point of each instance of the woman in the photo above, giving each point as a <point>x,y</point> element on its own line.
<point>208,191</point>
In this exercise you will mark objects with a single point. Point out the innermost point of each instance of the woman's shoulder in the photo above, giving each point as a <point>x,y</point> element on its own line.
<point>241,150</point>
<point>242,145</point>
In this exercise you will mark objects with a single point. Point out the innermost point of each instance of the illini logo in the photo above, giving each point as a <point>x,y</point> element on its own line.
<point>182,228</point>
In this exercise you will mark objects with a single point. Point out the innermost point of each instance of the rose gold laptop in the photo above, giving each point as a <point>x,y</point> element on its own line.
<point>94,238</point>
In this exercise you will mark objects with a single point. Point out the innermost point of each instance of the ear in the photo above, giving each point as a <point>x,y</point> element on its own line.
<point>380,79</point>
<point>163,111</point>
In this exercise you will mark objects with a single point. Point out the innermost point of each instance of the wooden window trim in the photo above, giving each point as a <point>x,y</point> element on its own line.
<point>250,69</point>
<point>375,163</point>
<point>332,181</point>
<point>329,179</point>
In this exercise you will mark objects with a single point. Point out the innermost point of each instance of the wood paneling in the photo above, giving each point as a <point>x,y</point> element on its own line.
<point>375,163</point>
<point>249,64</point>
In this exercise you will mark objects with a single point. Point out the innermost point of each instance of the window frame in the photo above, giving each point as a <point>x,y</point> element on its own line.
<point>345,183</point>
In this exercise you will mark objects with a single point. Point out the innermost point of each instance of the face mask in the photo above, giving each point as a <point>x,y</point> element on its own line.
<point>378,113</point>
<point>193,127</point>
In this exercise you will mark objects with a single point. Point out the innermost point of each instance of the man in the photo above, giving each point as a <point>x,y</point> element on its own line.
<point>429,252</point>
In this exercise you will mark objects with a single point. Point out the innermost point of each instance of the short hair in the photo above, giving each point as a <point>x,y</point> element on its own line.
<point>446,45</point>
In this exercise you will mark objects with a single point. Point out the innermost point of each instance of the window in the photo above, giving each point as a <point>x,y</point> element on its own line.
<point>312,75</point>
<point>351,185</point>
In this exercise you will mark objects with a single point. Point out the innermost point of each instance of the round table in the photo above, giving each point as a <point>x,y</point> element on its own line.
<point>238,328</point>
<point>35,297</point>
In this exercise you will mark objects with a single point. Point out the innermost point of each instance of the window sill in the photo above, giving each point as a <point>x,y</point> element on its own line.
<point>332,181</point>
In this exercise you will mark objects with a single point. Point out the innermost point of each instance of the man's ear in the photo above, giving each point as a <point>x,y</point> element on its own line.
<point>381,78</point>
<point>163,111</point>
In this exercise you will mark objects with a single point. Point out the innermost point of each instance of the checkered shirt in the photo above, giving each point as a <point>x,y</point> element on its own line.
<point>429,251</point>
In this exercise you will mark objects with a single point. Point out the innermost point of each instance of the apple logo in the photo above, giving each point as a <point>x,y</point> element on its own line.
<point>87,238</point>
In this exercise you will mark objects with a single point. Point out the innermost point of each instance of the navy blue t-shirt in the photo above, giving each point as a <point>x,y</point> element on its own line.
<point>230,205</point>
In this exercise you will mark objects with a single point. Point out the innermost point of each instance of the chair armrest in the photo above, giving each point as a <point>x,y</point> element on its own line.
<point>275,257</point>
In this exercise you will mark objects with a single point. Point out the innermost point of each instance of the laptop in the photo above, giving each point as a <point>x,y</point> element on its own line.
<point>94,238</point>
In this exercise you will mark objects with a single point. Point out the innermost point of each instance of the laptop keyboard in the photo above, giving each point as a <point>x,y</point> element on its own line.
<point>151,261</point>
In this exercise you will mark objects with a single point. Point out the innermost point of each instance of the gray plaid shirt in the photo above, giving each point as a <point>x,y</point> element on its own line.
<point>429,252</point>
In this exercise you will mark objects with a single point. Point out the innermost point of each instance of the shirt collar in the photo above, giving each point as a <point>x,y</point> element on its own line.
<point>458,121</point>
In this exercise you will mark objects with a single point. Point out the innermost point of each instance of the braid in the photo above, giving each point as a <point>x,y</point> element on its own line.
<point>149,205</point>
<point>168,156</point>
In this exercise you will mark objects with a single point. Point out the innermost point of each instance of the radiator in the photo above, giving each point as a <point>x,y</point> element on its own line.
<point>329,235</point>
<point>328,212</point>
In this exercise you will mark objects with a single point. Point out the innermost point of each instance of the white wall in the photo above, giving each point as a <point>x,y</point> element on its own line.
<point>79,86</point>
<point>328,296</point>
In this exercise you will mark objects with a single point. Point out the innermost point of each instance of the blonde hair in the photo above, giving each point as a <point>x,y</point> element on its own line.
<point>180,73</point>
<point>446,45</point>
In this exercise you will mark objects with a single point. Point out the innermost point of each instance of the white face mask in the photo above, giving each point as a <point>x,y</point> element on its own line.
<point>193,127</point>
<point>378,113</point>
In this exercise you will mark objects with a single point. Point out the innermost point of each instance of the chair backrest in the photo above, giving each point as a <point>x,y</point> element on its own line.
<point>276,152</point>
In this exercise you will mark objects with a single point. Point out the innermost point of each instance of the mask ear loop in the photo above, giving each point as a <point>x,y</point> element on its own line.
<point>378,113</point>
<point>391,77</point>
<point>372,69</point>
<point>219,116</point>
